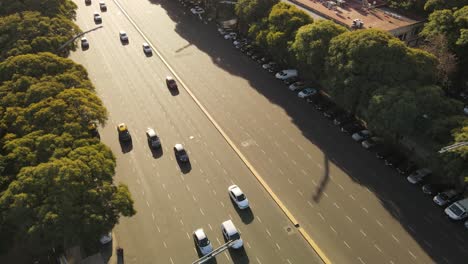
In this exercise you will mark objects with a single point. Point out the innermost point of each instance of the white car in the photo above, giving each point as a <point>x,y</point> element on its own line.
<point>231,35</point>
<point>147,49</point>
<point>230,233</point>
<point>197,10</point>
<point>296,86</point>
<point>97,17</point>
<point>286,74</point>
<point>202,241</point>
<point>106,238</point>
<point>445,197</point>
<point>269,65</point>
<point>466,224</point>
<point>465,110</point>
<point>123,36</point>
<point>361,135</point>
<point>238,197</point>
<point>419,175</point>
<point>307,92</point>
<point>239,42</point>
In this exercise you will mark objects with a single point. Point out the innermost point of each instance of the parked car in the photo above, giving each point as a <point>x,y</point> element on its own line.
<point>123,36</point>
<point>361,135</point>
<point>465,110</point>
<point>252,51</point>
<point>147,49</point>
<point>406,167</point>
<point>268,65</point>
<point>256,56</point>
<point>180,153</point>
<point>171,83</point>
<point>323,104</point>
<point>434,188</point>
<point>371,143</point>
<point>382,151</point>
<point>106,238</point>
<point>458,210</point>
<point>263,60</point>
<point>352,128</point>
<point>333,112</point>
<point>87,2</point>
<point>343,119</point>
<point>231,35</point>
<point>297,86</point>
<point>285,74</point>
<point>153,139</point>
<point>307,92</point>
<point>84,43</point>
<point>246,48</point>
<point>102,6</point>
<point>394,159</point>
<point>238,197</point>
<point>240,41</point>
<point>202,242</point>
<point>419,175</point>
<point>97,18</point>
<point>291,80</point>
<point>445,197</point>
<point>197,10</point>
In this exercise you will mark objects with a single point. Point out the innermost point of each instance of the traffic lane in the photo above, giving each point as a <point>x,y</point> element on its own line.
<point>130,89</point>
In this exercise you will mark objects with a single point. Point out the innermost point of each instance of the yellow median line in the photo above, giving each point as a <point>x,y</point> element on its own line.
<point>304,234</point>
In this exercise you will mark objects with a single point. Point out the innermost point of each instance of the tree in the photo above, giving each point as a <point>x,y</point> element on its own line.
<point>432,5</point>
<point>360,62</point>
<point>50,8</point>
<point>311,43</point>
<point>250,11</point>
<point>447,61</point>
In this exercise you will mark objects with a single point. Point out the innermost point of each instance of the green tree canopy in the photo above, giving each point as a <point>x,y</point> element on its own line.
<point>311,43</point>
<point>49,8</point>
<point>360,62</point>
<point>30,32</point>
<point>250,11</point>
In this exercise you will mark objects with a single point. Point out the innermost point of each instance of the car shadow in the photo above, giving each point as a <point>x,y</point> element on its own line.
<point>239,255</point>
<point>212,260</point>
<point>148,55</point>
<point>126,146</point>
<point>125,42</point>
<point>246,214</point>
<point>156,153</point>
<point>185,167</point>
<point>174,92</point>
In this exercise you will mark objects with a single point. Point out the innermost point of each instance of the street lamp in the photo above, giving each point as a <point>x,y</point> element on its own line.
<point>453,146</point>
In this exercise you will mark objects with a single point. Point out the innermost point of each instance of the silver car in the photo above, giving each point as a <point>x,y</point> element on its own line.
<point>445,197</point>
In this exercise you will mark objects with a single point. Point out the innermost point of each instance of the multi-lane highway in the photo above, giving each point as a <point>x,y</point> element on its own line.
<point>354,208</point>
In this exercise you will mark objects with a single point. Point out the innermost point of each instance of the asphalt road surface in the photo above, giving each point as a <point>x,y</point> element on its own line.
<point>354,208</point>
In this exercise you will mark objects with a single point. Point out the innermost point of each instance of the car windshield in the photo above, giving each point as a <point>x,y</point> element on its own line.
<point>182,153</point>
<point>171,81</point>
<point>443,196</point>
<point>204,242</point>
<point>235,236</point>
<point>241,197</point>
<point>454,208</point>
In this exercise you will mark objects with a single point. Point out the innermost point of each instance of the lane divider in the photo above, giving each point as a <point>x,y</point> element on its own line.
<point>259,178</point>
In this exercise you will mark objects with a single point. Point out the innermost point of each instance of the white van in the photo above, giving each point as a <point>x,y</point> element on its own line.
<point>230,233</point>
<point>458,210</point>
<point>286,74</point>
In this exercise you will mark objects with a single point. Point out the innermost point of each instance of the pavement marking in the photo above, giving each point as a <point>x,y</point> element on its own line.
<point>362,232</point>
<point>262,151</point>
<point>138,181</point>
<point>321,216</point>
<point>230,217</point>
<point>152,215</point>
<point>169,196</point>
<point>214,192</point>
<point>349,218</point>
<point>248,245</point>
<point>188,188</point>
<point>279,248</point>
<point>378,222</point>
<point>201,211</point>
<point>211,228</point>
<point>221,203</point>
<point>325,194</point>
<point>143,192</point>
<point>270,160</point>
<point>170,258</point>
<point>219,163</point>
<point>288,261</point>
<point>300,193</point>
<point>285,153</point>
<point>365,210</point>
<point>290,182</point>
<point>395,238</point>
<point>175,209</point>
<point>362,261</point>
<point>333,229</point>
<point>225,254</point>
<point>259,219</point>
<point>207,181</point>
<point>181,222</point>
<point>276,143</point>
<point>300,147</point>
<point>311,205</point>
<point>347,244</point>
<point>309,156</point>
<point>194,198</point>
<point>225,172</point>
<point>201,171</point>
<point>164,243</point>
<point>411,253</point>
<point>391,262</point>
<point>219,242</point>
<point>341,186</point>
<point>258,260</point>
<point>268,232</point>
<point>230,142</point>
<point>294,162</point>
<point>314,183</point>
<point>212,154</point>
<point>280,171</point>
<point>159,230</point>
<point>188,236</point>
<point>304,172</point>
<point>377,247</point>
<point>320,166</point>
<point>164,186</point>
<point>352,197</point>
<point>336,205</point>
<point>147,203</point>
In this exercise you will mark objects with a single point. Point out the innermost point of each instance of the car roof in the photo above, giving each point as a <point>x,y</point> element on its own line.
<point>150,132</point>
<point>169,78</point>
<point>229,227</point>
<point>179,147</point>
<point>236,190</point>
<point>145,44</point>
<point>122,32</point>
<point>200,234</point>
<point>122,127</point>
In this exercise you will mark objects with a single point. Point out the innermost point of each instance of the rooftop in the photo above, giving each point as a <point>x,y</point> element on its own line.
<point>378,16</point>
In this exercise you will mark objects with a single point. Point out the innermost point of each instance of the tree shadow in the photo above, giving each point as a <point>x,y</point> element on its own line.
<point>323,183</point>
<point>126,146</point>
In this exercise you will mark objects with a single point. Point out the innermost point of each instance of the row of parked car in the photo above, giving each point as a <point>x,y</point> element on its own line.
<point>443,194</point>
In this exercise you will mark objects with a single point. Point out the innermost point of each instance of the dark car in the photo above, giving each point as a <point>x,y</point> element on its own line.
<point>124,134</point>
<point>87,2</point>
<point>246,48</point>
<point>352,128</point>
<point>323,105</point>
<point>394,160</point>
<point>314,99</point>
<point>343,119</point>
<point>256,56</point>
<point>84,43</point>
<point>263,60</point>
<point>274,68</point>
<point>433,189</point>
<point>153,139</point>
<point>333,112</point>
<point>406,167</point>
<point>180,153</point>
<point>291,80</point>
<point>252,51</point>
<point>171,83</point>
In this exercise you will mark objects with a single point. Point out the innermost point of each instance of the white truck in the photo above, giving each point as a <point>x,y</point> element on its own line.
<point>458,210</point>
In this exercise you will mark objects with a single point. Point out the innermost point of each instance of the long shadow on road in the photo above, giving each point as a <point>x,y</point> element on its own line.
<point>417,214</point>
